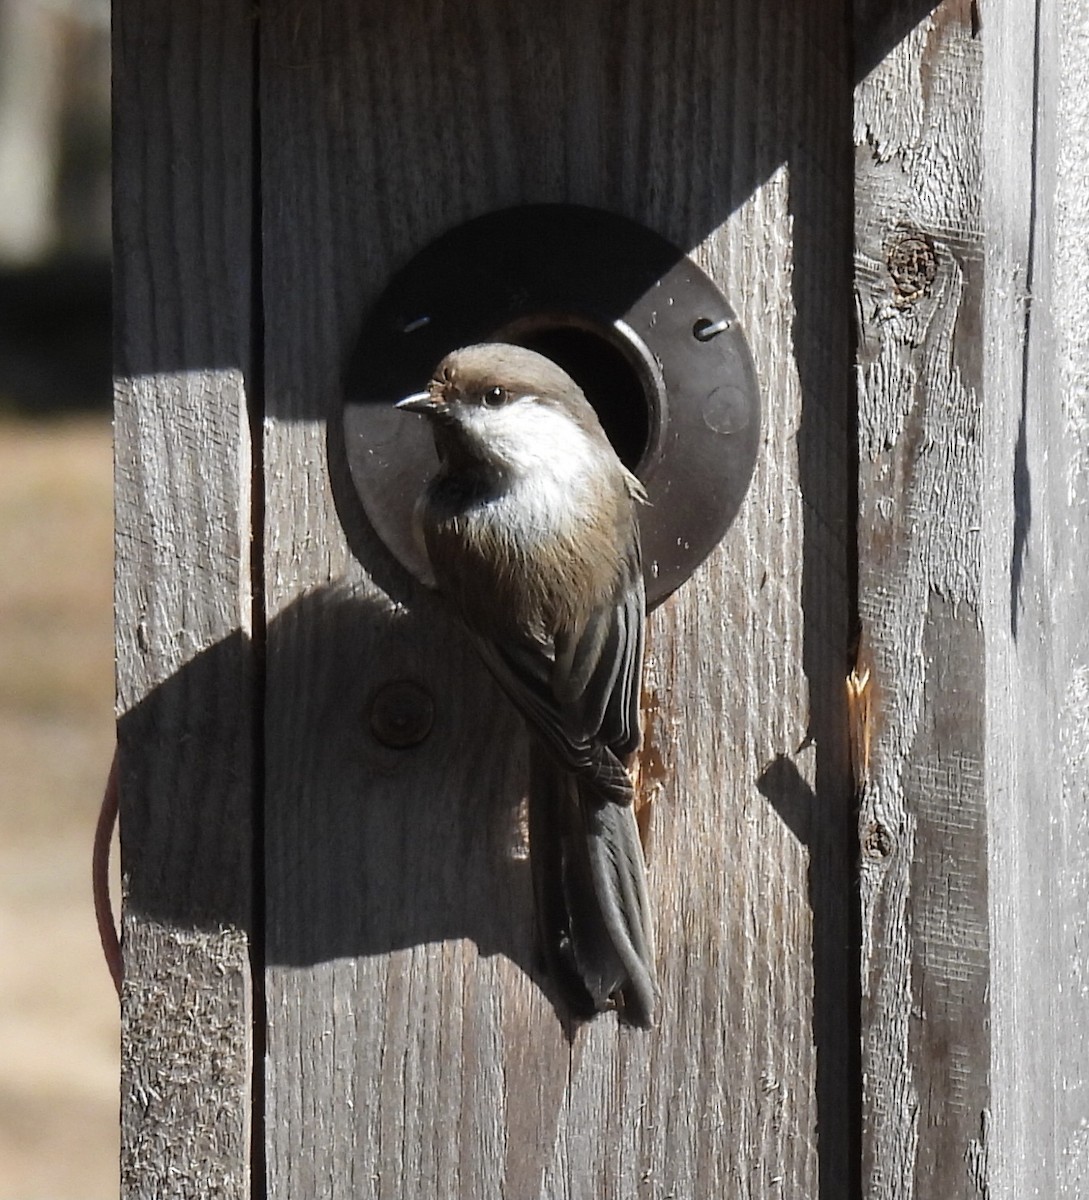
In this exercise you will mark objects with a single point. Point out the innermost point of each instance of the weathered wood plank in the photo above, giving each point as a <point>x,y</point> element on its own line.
<point>1035,521</point>
<point>412,1046</point>
<point>182,202</point>
<point>919,277</point>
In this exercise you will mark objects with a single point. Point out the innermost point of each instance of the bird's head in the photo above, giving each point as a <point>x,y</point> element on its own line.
<point>508,409</point>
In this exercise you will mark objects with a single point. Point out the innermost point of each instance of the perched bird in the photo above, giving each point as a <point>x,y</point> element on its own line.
<point>530,527</point>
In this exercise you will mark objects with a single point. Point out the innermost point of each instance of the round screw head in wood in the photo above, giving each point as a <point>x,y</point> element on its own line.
<point>401,714</point>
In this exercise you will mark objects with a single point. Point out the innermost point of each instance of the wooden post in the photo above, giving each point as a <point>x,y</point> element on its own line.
<point>187,705</point>
<point>919,263</point>
<point>1036,556</point>
<point>413,1046</point>
<point>332,985</point>
<point>973,459</point>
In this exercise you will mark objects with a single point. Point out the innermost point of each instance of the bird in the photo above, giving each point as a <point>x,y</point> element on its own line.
<point>530,527</point>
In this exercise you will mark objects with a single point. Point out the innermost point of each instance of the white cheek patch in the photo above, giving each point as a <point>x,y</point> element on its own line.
<point>552,460</point>
<point>530,438</point>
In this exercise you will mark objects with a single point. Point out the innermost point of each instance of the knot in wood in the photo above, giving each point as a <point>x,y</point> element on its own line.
<point>401,714</point>
<point>877,841</point>
<point>913,265</point>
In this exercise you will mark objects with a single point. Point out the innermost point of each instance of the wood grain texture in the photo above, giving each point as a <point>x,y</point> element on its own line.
<point>919,278</point>
<point>413,1047</point>
<point>182,201</point>
<point>1037,212</point>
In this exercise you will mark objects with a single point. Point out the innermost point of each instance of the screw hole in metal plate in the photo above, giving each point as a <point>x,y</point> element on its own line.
<point>647,335</point>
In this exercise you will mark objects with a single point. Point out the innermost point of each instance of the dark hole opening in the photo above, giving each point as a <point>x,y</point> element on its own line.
<point>607,376</point>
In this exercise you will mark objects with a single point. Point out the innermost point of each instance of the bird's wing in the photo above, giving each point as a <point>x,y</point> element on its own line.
<point>597,674</point>
<point>524,672</point>
<point>581,692</point>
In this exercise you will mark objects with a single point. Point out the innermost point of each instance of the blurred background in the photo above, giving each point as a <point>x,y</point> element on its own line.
<point>58,1013</point>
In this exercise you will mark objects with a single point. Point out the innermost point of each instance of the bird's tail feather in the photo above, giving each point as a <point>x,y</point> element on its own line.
<point>590,885</point>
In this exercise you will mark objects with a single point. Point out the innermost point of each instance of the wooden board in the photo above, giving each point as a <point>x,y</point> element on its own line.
<point>182,201</point>
<point>413,1048</point>
<point>1037,211</point>
<point>922,824</point>
<point>382,895</point>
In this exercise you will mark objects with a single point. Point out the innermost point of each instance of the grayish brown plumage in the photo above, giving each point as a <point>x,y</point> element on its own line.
<point>530,526</point>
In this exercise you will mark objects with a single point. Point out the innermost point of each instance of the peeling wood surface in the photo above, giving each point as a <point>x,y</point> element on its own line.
<point>412,1044</point>
<point>182,202</point>
<point>972,137</point>
<point>1037,213</point>
<point>922,825</point>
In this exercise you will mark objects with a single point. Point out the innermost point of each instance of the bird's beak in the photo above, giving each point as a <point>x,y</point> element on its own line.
<point>421,402</point>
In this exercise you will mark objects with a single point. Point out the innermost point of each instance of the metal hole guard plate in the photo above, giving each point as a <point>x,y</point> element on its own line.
<point>544,269</point>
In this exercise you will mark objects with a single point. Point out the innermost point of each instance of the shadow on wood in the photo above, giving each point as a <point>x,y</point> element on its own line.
<point>394,865</point>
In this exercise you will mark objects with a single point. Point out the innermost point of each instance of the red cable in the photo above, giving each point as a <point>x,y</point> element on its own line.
<point>100,878</point>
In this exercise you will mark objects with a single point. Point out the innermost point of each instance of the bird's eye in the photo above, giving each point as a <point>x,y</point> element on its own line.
<point>494,397</point>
